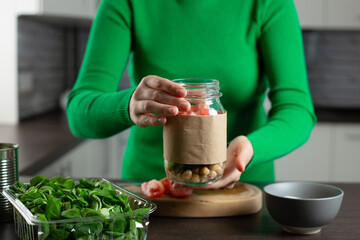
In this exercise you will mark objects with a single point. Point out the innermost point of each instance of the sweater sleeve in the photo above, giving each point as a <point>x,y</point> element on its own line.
<point>291,117</point>
<point>95,108</point>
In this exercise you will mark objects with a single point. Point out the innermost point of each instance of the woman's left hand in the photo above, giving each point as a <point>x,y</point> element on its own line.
<point>239,154</point>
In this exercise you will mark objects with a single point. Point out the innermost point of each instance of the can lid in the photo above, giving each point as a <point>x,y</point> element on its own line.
<point>8,151</point>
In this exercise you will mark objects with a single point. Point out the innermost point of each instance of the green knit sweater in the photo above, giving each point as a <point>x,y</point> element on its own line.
<point>250,46</point>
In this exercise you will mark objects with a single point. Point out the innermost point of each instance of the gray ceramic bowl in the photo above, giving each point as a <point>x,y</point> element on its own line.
<point>302,207</point>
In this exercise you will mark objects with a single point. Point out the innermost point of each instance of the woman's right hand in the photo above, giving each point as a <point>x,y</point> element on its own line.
<point>154,99</point>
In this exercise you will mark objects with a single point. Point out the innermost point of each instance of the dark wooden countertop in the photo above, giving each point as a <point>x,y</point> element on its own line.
<point>41,140</point>
<point>257,226</point>
<point>260,226</point>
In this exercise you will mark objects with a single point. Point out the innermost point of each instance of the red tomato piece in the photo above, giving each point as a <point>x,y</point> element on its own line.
<point>204,111</point>
<point>194,108</point>
<point>167,185</point>
<point>199,109</point>
<point>152,188</point>
<point>179,192</point>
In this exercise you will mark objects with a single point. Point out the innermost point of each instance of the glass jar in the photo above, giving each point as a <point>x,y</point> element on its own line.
<point>204,97</point>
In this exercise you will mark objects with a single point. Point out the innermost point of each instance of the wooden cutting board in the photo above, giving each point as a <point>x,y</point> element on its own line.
<point>242,199</point>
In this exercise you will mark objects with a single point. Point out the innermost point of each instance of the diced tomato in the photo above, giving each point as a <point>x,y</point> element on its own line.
<point>155,188</point>
<point>204,111</point>
<point>167,185</point>
<point>194,108</point>
<point>197,109</point>
<point>179,192</point>
<point>203,106</point>
<point>152,188</point>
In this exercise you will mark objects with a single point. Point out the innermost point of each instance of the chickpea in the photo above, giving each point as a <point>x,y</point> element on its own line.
<point>213,174</point>
<point>219,170</point>
<point>204,171</point>
<point>195,178</point>
<point>184,173</point>
<point>204,178</point>
<point>214,166</point>
<point>187,175</point>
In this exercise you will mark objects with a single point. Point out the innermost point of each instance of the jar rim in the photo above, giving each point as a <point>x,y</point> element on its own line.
<point>211,86</point>
<point>190,81</point>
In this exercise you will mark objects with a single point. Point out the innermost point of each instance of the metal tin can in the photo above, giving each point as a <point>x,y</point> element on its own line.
<point>9,174</point>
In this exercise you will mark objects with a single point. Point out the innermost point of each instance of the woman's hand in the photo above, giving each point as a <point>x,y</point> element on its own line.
<point>239,154</point>
<point>154,99</point>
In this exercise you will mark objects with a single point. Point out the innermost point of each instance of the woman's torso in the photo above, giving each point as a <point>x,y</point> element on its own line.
<point>197,39</point>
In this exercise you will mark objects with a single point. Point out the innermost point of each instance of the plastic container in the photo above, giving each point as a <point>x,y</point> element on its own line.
<point>28,227</point>
<point>204,97</point>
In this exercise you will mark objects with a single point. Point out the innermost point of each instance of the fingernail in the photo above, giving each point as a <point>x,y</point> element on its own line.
<point>161,119</point>
<point>184,105</point>
<point>181,92</point>
<point>172,111</point>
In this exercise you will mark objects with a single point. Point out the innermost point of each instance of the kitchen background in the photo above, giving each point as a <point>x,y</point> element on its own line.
<point>42,49</point>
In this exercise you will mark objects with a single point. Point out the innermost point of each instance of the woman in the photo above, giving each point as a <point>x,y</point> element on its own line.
<point>249,46</point>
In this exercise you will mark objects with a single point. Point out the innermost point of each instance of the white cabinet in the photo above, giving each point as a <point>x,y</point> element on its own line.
<point>58,8</point>
<point>9,12</point>
<point>92,158</point>
<point>116,146</point>
<point>8,63</point>
<point>86,160</point>
<point>89,160</point>
<point>344,14</point>
<point>309,162</point>
<point>61,167</point>
<point>331,154</point>
<point>347,153</point>
<point>69,8</point>
<point>329,14</point>
<point>310,13</point>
